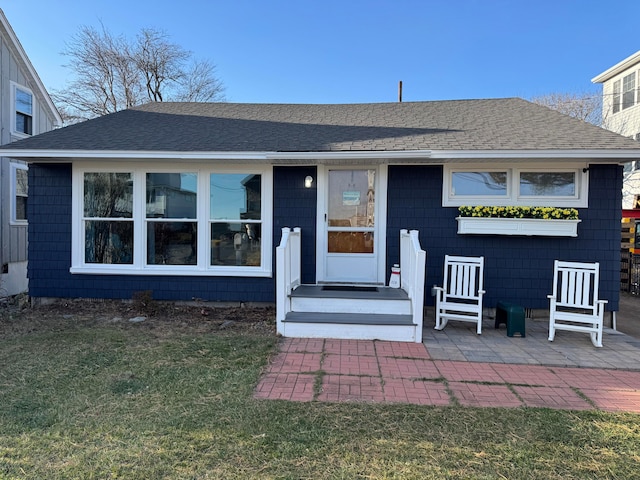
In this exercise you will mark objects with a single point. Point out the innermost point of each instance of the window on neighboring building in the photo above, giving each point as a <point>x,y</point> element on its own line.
<point>186,222</point>
<point>533,186</point>
<point>629,90</point>
<point>616,96</point>
<point>20,192</point>
<point>23,106</point>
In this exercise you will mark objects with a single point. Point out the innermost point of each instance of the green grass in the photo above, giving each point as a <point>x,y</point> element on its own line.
<point>105,401</point>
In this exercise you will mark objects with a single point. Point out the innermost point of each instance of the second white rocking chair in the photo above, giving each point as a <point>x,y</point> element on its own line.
<point>460,297</point>
<point>574,303</point>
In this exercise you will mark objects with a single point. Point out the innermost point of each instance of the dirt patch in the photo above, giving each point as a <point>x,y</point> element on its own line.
<point>18,317</point>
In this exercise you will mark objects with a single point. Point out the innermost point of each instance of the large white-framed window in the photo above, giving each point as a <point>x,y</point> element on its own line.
<point>19,193</point>
<point>192,220</point>
<point>533,185</point>
<point>22,101</point>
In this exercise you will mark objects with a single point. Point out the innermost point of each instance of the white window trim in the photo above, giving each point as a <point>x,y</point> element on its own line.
<point>14,130</point>
<point>139,266</point>
<point>14,193</point>
<point>513,197</point>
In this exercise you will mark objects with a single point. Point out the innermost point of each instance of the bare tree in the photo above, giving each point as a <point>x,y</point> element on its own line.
<point>200,84</point>
<point>585,106</point>
<point>113,73</point>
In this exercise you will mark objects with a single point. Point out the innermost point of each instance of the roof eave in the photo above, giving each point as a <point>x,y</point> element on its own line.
<point>420,156</point>
<point>617,68</point>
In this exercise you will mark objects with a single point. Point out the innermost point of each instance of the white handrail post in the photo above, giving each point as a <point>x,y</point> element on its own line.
<point>419,274</point>
<point>282,272</point>
<point>412,275</point>
<point>288,272</point>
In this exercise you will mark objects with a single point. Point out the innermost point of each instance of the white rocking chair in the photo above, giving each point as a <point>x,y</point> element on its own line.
<point>574,304</point>
<point>460,297</point>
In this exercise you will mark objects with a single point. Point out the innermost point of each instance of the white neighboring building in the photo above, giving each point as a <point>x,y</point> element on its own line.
<point>621,114</point>
<point>25,110</point>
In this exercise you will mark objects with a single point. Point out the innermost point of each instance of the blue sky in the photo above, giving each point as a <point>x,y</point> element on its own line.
<point>356,51</point>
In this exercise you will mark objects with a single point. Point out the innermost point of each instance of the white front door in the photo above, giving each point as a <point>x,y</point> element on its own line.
<point>351,221</point>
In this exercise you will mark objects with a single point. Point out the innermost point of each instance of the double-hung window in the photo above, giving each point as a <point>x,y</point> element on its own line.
<point>107,218</point>
<point>192,221</point>
<point>22,121</point>
<point>530,186</point>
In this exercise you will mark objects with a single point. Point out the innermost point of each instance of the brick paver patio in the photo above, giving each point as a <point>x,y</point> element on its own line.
<point>330,370</point>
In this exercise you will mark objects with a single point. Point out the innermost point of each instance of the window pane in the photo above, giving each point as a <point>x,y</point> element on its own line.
<point>108,195</point>
<point>21,182</point>
<point>24,124</point>
<point>479,183</point>
<point>24,102</point>
<point>235,196</point>
<point>350,242</point>
<point>21,208</point>
<point>108,242</point>
<point>172,243</point>
<point>172,195</point>
<point>351,198</point>
<point>555,184</point>
<point>616,96</point>
<point>235,244</point>
<point>628,90</point>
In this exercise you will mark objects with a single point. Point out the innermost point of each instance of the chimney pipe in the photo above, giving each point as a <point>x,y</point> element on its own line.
<point>400,91</point>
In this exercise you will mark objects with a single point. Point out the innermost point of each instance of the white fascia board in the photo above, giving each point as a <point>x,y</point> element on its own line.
<point>418,156</point>
<point>620,67</point>
<point>347,155</point>
<point>56,155</point>
<point>615,155</point>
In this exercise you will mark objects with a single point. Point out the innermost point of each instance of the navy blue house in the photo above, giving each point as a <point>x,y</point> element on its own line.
<point>188,200</point>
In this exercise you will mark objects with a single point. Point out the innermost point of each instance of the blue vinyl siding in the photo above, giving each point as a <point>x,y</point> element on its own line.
<point>518,269</point>
<point>296,206</point>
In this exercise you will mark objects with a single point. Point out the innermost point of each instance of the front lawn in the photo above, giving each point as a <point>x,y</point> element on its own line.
<point>94,396</point>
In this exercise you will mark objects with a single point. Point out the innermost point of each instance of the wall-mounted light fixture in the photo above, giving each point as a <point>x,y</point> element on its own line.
<point>308,181</point>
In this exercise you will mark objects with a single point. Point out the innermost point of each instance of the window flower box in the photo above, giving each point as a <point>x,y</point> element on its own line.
<point>526,221</point>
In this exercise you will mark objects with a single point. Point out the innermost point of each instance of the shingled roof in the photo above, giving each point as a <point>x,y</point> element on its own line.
<point>467,125</point>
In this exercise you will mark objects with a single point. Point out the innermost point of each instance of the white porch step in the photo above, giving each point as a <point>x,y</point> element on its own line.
<point>350,312</point>
<point>349,318</point>
<point>350,326</point>
<point>328,299</point>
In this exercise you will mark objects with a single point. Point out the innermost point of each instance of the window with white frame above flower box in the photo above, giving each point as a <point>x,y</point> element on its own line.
<point>533,185</point>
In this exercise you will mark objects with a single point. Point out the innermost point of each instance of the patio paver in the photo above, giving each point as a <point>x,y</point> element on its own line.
<point>330,370</point>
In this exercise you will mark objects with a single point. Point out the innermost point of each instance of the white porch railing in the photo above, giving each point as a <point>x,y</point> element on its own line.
<point>412,273</point>
<point>288,256</point>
